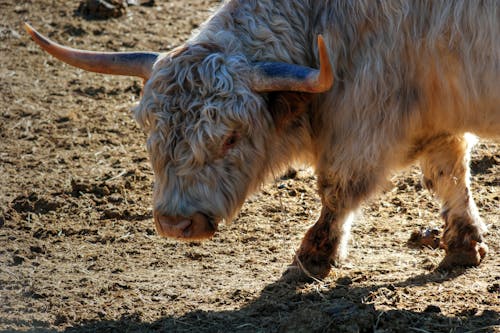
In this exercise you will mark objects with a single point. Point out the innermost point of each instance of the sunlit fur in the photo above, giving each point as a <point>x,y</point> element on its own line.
<point>405,72</point>
<point>193,102</point>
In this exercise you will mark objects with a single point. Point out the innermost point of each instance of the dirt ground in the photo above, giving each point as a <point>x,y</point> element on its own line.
<point>78,249</point>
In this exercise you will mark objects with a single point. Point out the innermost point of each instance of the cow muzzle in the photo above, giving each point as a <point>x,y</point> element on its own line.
<point>196,227</point>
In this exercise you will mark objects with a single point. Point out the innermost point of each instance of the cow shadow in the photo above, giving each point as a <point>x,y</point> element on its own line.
<point>286,307</point>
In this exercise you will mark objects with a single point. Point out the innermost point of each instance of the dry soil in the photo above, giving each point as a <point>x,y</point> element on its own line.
<point>78,249</point>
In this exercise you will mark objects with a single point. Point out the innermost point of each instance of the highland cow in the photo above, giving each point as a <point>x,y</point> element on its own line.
<point>257,89</point>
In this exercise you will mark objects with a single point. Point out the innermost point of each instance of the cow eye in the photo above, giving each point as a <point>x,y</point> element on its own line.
<point>231,141</point>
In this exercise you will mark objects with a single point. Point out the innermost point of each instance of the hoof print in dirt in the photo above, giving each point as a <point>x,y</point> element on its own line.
<point>102,9</point>
<point>428,237</point>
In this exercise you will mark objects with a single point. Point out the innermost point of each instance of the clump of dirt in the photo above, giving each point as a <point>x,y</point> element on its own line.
<point>427,237</point>
<point>102,189</point>
<point>102,9</point>
<point>106,9</point>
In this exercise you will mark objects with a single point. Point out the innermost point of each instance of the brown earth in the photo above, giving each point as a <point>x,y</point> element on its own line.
<point>78,249</point>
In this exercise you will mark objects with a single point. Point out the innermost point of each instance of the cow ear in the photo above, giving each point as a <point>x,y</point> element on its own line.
<point>286,106</point>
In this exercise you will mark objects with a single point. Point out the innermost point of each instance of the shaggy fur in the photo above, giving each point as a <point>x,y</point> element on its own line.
<point>411,77</point>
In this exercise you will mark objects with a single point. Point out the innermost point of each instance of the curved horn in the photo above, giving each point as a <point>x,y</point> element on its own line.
<point>278,76</point>
<point>120,63</point>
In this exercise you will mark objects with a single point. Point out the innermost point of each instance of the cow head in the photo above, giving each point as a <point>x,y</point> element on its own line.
<point>208,125</point>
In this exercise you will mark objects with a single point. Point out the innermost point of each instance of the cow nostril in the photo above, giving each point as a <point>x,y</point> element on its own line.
<point>187,230</point>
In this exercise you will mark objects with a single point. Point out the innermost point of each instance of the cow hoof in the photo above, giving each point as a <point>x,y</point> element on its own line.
<point>464,257</point>
<point>296,273</point>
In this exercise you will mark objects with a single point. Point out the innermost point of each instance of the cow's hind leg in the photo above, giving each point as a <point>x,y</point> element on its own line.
<point>445,164</point>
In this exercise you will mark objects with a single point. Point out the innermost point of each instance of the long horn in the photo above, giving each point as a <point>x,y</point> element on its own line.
<point>278,76</point>
<point>119,63</point>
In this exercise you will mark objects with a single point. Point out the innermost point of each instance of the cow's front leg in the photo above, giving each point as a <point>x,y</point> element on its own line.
<point>323,244</point>
<point>326,241</point>
<point>445,164</point>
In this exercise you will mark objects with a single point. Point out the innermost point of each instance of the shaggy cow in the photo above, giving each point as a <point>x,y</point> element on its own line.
<point>242,100</point>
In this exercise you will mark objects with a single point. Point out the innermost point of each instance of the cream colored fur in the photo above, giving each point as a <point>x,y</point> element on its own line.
<point>406,74</point>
